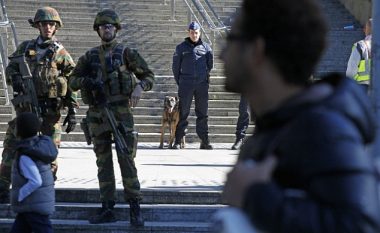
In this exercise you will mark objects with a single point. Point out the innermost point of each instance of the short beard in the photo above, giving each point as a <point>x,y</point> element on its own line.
<point>107,40</point>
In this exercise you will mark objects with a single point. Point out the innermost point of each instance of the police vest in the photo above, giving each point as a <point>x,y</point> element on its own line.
<point>113,72</point>
<point>364,67</point>
<point>43,67</point>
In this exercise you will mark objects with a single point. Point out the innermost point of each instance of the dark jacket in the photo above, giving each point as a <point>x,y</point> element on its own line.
<point>325,179</point>
<point>42,151</point>
<point>192,63</point>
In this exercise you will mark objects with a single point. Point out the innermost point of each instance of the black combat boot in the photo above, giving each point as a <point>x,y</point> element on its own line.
<point>177,144</point>
<point>205,145</point>
<point>237,144</point>
<point>136,218</point>
<point>104,214</point>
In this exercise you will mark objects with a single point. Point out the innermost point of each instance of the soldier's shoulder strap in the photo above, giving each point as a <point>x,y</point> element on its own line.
<point>123,51</point>
<point>24,48</point>
<point>93,55</point>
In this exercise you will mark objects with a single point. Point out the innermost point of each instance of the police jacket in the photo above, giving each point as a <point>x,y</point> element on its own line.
<point>325,180</point>
<point>42,151</point>
<point>192,63</point>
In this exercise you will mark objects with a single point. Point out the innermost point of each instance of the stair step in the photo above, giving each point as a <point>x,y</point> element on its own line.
<point>63,226</point>
<point>151,213</point>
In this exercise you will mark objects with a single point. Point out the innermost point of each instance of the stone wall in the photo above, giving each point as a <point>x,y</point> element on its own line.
<point>361,9</point>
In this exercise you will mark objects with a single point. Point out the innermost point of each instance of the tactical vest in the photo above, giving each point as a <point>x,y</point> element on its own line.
<point>47,79</point>
<point>363,74</point>
<point>118,80</point>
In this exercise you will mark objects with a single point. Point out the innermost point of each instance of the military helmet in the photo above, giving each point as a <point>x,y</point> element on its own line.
<point>107,16</point>
<point>46,14</point>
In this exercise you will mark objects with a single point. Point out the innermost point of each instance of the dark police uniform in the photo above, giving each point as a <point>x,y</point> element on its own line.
<point>192,63</point>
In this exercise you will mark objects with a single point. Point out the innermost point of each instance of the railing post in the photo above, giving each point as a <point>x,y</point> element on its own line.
<point>213,46</point>
<point>173,9</point>
<point>189,16</point>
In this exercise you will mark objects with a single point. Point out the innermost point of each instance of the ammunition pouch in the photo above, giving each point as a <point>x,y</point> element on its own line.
<point>60,88</point>
<point>87,97</point>
<point>86,131</point>
<point>131,139</point>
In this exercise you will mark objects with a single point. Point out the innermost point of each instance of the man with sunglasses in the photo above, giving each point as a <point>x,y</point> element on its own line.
<point>50,65</point>
<point>107,77</point>
<point>307,167</point>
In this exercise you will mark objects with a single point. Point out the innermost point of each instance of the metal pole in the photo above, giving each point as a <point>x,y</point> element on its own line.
<point>189,17</point>
<point>375,73</point>
<point>173,9</point>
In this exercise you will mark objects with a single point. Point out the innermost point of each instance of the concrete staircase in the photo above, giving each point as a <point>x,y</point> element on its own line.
<point>163,211</point>
<point>147,26</point>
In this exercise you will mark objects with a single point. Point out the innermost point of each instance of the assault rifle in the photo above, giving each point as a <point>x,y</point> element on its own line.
<point>118,130</point>
<point>28,95</point>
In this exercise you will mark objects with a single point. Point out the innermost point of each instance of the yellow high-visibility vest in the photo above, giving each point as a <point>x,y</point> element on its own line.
<point>364,68</point>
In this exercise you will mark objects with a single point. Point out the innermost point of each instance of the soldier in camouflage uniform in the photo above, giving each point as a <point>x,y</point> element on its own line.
<point>50,65</point>
<point>104,75</point>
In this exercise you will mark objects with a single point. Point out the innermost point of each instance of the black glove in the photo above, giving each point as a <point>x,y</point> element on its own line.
<point>17,84</point>
<point>70,121</point>
<point>91,84</point>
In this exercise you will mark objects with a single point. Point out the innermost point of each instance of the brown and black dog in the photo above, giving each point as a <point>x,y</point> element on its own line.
<point>170,118</point>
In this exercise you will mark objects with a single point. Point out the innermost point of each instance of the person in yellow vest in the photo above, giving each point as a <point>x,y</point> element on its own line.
<point>359,63</point>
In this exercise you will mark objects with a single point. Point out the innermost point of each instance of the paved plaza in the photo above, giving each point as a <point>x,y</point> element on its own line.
<point>189,169</point>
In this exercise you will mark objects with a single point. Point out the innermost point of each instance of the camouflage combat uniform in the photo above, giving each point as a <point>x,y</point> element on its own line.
<point>50,65</point>
<point>119,83</point>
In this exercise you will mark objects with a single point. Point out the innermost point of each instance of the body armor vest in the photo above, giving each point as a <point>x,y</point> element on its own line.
<point>112,71</point>
<point>48,81</point>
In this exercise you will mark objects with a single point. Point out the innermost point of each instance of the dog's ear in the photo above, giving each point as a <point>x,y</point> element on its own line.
<point>166,99</point>
<point>176,98</point>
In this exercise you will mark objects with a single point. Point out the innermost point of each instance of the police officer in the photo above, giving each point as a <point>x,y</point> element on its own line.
<point>359,63</point>
<point>50,65</point>
<point>192,64</point>
<point>104,76</point>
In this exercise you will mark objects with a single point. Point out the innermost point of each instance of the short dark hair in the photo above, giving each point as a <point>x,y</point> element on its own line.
<point>27,125</point>
<point>294,32</point>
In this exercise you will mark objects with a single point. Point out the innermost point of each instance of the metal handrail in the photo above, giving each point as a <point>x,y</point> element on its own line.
<point>208,18</point>
<point>5,23</point>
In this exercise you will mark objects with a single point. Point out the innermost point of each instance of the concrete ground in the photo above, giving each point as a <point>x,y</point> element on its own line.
<point>189,169</point>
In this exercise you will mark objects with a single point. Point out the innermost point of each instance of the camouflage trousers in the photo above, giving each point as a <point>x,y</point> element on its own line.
<point>50,126</point>
<point>101,136</point>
